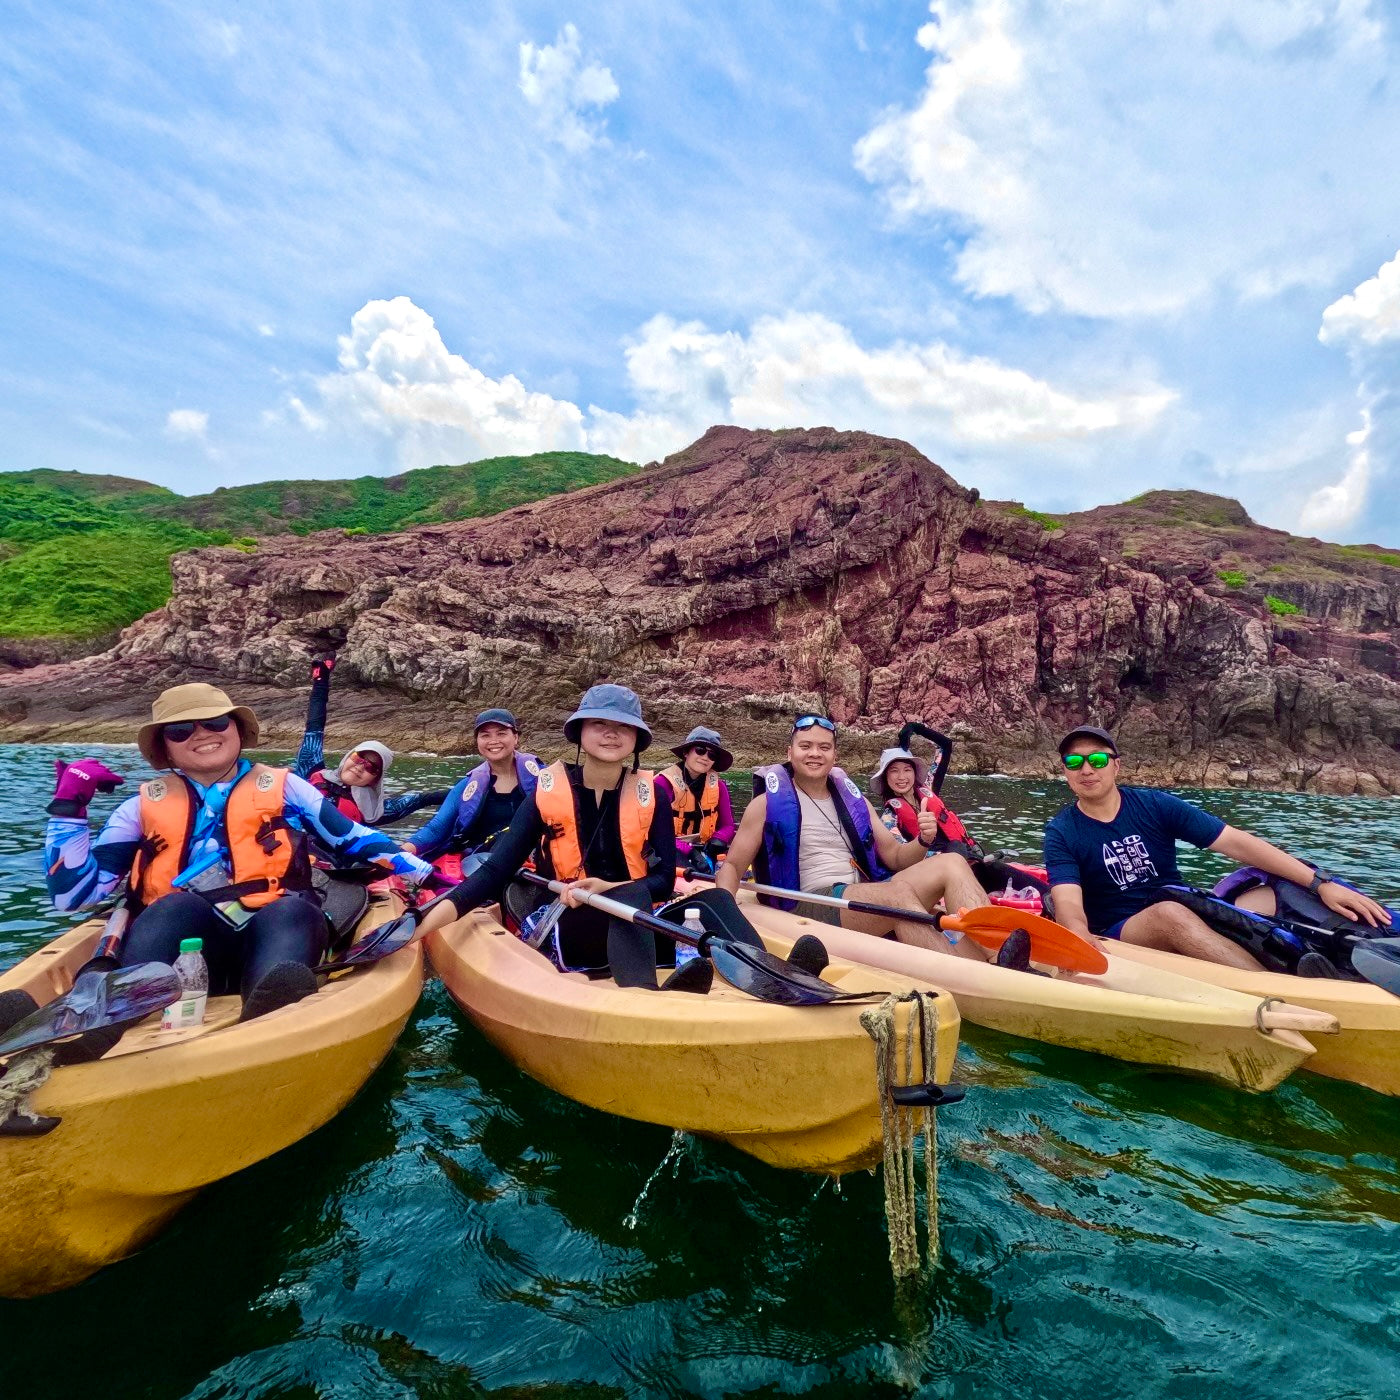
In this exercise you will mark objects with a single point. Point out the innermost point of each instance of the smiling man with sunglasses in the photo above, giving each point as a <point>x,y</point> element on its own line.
<point>1110,852</point>
<point>214,847</point>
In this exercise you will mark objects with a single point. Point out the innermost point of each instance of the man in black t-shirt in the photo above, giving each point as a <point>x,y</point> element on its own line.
<point>1109,853</point>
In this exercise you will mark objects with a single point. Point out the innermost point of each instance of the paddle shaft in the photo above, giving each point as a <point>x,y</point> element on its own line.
<point>857,906</point>
<point>617,909</point>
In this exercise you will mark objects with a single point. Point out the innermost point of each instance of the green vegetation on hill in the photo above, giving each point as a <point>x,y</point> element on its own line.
<point>82,555</point>
<point>376,503</point>
<point>75,564</point>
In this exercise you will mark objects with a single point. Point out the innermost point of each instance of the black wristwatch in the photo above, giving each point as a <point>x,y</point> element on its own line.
<point>1320,878</point>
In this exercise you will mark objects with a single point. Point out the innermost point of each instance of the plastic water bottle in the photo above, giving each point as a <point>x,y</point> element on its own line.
<point>694,926</point>
<point>190,968</point>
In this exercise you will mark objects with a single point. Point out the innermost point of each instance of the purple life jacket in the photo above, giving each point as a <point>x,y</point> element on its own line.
<point>777,860</point>
<point>527,772</point>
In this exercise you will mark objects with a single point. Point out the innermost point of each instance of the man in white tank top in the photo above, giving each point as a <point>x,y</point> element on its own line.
<point>827,864</point>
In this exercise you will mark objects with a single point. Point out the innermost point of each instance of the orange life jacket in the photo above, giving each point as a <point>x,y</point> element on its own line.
<point>268,857</point>
<point>684,804</point>
<point>558,808</point>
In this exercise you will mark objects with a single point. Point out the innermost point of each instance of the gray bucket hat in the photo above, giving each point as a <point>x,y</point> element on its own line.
<point>611,702</point>
<point>724,760</point>
<point>897,755</point>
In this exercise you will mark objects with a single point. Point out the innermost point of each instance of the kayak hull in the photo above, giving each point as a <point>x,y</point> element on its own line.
<point>793,1086</point>
<point>1365,1052</point>
<point>166,1113</point>
<point>1143,1016</point>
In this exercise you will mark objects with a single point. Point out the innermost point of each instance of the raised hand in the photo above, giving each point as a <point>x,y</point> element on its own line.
<point>75,785</point>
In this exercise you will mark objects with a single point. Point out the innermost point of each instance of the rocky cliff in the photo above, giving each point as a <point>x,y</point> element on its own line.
<point>757,573</point>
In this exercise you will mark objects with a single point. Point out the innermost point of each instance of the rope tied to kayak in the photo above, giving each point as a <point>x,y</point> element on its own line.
<point>26,1074</point>
<point>900,1124</point>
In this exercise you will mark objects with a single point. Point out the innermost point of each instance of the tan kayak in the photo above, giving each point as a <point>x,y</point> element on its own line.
<point>167,1112</point>
<point>793,1086</point>
<point>1145,1016</point>
<point>1367,1051</point>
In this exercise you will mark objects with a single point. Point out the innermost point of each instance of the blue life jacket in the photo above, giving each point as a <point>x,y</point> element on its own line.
<point>527,772</point>
<point>777,860</point>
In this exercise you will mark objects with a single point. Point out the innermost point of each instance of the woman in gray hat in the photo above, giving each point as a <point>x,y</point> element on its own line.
<point>699,796</point>
<point>483,804</point>
<point>602,825</point>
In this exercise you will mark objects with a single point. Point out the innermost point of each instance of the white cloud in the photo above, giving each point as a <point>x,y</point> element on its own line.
<point>1368,316</point>
<point>265,329</point>
<point>1118,157</point>
<point>1366,324</point>
<point>1331,509</point>
<point>187,423</point>
<point>563,89</point>
<point>398,379</point>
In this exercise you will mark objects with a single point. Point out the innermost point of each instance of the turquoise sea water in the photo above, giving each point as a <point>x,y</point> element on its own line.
<point>461,1231</point>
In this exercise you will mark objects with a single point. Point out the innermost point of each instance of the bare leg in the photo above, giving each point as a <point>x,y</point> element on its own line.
<point>1259,901</point>
<point>1175,929</point>
<point>948,878</point>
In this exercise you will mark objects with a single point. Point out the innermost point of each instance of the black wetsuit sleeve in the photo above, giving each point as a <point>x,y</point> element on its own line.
<point>395,808</point>
<point>945,753</point>
<point>509,853</point>
<point>661,878</point>
<point>311,756</point>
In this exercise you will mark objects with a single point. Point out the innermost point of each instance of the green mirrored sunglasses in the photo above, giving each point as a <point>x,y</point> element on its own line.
<point>1075,761</point>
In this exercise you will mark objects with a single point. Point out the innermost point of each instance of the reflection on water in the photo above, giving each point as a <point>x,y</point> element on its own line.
<point>462,1231</point>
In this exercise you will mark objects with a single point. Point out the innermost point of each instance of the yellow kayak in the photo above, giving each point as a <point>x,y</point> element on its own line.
<point>167,1112</point>
<point>793,1086</point>
<point>1366,1052</point>
<point>1145,1016</point>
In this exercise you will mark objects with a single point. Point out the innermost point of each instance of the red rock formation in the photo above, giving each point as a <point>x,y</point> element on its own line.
<point>755,573</point>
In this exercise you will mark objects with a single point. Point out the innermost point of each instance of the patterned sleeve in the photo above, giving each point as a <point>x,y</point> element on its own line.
<point>348,842</point>
<point>81,872</point>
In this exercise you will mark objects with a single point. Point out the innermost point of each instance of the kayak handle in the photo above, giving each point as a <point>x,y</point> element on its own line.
<point>927,1095</point>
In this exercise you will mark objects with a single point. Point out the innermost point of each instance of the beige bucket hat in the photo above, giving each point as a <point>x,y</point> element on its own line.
<point>193,701</point>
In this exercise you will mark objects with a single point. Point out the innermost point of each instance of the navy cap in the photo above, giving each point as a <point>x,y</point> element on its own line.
<point>496,717</point>
<point>1089,731</point>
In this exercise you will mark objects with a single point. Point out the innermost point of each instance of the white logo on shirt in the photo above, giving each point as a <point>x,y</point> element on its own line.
<point>1127,861</point>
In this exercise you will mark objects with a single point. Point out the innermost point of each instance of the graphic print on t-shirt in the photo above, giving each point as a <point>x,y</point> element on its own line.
<point>1127,861</point>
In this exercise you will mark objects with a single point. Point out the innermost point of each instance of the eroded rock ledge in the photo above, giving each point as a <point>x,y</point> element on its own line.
<point>757,572</point>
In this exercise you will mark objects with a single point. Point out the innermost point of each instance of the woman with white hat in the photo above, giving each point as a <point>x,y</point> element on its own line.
<point>699,796</point>
<point>602,825</point>
<point>897,788</point>
<point>214,848</point>
<point>356,785</point>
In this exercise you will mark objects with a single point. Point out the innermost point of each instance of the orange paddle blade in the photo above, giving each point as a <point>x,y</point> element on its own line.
<point>1051,943</point>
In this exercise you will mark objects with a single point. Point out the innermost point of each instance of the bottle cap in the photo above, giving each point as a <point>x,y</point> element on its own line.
<point>191,945</point>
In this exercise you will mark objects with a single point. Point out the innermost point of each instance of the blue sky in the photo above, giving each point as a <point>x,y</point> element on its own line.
<point>1071,251</point>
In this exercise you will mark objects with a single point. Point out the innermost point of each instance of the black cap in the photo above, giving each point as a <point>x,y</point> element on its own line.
<point>496,717</point>
<point>1088,731</point>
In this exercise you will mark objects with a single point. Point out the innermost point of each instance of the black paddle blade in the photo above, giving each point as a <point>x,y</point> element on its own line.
<point>98,999</point>
<point>387,939</point>
<point>763,975</point>
<point>1378,961</point>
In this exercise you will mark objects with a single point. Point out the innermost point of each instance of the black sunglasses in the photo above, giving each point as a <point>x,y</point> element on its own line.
<point>813,722</point>
<point>182,730</point>
<point>702,751</point>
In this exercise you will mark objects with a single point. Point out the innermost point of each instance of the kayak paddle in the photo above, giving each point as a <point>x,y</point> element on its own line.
<point>97,999</point>
<point>987,925</point>
<point>379,943</point>
<point>751,969</point>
